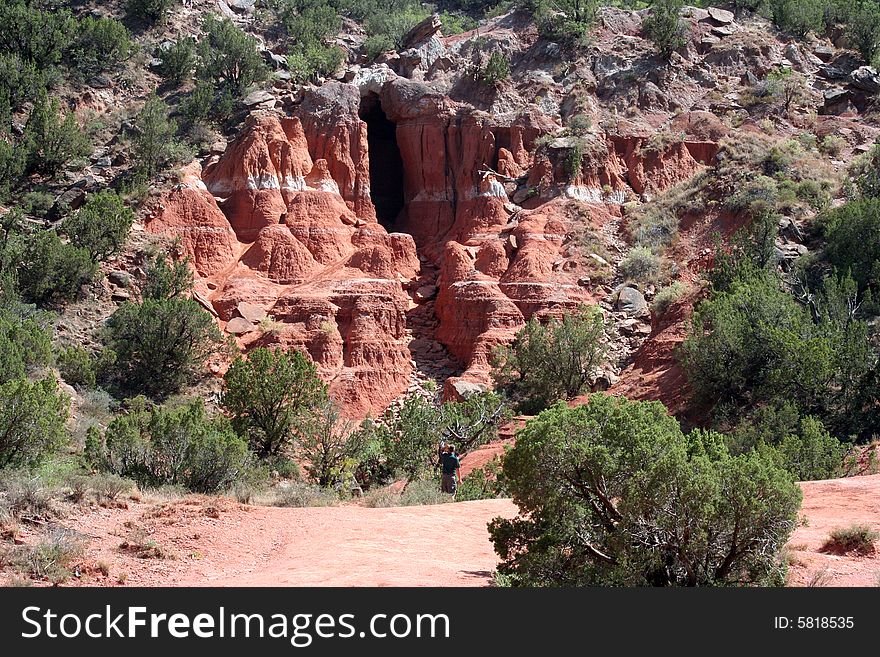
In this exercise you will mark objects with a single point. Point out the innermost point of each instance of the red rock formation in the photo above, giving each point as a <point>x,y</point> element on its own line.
<point>300,240</point>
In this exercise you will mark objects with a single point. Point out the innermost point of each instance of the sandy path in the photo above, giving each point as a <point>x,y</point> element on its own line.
<point>208,541</point>
<point>442,545</point>
<point>828,505</point>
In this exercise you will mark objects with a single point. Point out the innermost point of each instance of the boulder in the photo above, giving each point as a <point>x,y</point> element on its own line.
<point>239,326</point>
<point>825,53</point>
<point>422,32</point>
<point>632,302</point>
<point>720,16</point>
<point>251,312</point>
<point>119,278</point>
<point>837,101</point>
<point>460,389</point>
<point>865,78</point>
<point>260,98</point>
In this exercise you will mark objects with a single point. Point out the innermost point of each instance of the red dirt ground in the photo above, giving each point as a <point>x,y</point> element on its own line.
<point>206,541</point>
<point>829,505</point>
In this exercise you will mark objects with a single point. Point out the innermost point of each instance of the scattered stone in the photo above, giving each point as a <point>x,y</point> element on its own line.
<point>422,32</point>
<point>239,326</point>
<point>120,296</point>
<point>243,6</point>
<point>632,302</point>
<point>866,79</point>
<point>204,303</point>
<point>602,261</point>
<point>425,293</point>
<point>825,53</point>
<point>464,389</point>
<point>604,380</point>
<point>720,16</point>
<point>101,81</point>
<point>723,31</point>
<point>278,62</point>
<point>251,312</point>
<point>120,278</point>
<point>226,10</point>
<point>259,98</point>
<point>837,101</point>
<point>584,281</point>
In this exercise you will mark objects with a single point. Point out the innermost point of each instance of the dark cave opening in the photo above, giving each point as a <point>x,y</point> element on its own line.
<point>386,165</point>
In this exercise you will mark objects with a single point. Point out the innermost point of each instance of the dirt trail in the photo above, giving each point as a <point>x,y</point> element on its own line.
<point>204,541</point>
<point>208,541</point>
<point>829,505</point>
<point>441,545</point>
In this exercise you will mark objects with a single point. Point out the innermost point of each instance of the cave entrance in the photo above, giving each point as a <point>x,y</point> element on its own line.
<point>386,165</point>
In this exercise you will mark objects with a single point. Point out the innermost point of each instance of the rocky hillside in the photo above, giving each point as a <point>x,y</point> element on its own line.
<point>400,221</point>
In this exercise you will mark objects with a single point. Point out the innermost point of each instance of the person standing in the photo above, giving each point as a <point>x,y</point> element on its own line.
<point>451,470</point>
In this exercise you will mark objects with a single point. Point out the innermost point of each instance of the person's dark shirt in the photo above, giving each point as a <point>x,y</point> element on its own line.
<point>449,462</point>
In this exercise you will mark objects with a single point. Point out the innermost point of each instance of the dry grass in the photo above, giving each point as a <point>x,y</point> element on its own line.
<point>855,539</point>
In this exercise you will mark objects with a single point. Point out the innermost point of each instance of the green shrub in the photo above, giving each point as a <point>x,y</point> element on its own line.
<point>865,171</point>
<point>455,23</point>
<point>101,44</point>
<point>799,17</point>
<point>50,140</point>
<point>545,363</point>
<point>151,11</point>
<point>299,494</point>
<point>862,20</point>
<point>32,417</point>
<point>314,60</point>
<point>567,22</point>
<point>664,27</point>
<point>330,445</point>
<point>640,264</point>
<point>812,453</point>
<point>37,36</point>
<point>52,270</point>
<point>271,396</point>
<point>496,69</point>
<point>153,143</point>
<point>155,445</point>
<point>77,367</point>
<point>579,124</point>
<point>198,107</point>
<point>573,160</point>
<point>160,346</point>
<point>858,539</point>
<point>612,493</point>
<point>178,61</point>
<point>377,44</point>
<point>852,232</point>
<point>419,492</point>
<point>20,80</point>
<point>228,57</point>
<point>410,437</point>
<point>482,483</point>
<point>667,296</point>
<point>166,279</point>
<point>755,342</point>
<point>100,226</point>
<point>25,342</point>
<point>389,27</point>
<point>51,558</point>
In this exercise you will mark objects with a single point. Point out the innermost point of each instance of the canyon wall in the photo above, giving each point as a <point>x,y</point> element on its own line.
<point>284,237</point>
